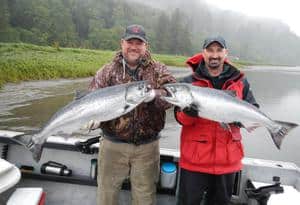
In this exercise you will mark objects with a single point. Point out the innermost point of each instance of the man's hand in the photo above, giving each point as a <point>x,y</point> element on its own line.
<point>160,92</point>
<point>92,125</point>
<point>191,110</point>
<point>155,93</point>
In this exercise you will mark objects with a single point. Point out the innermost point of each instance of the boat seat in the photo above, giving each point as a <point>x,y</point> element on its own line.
<point>9,175</point>
<point>27,196</point>
<point>290,195</point>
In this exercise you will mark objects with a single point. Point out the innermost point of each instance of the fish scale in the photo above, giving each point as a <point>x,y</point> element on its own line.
<point>217,105</point>
<point>100,105</point>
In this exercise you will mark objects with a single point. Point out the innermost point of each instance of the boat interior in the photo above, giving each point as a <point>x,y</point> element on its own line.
<point>67,172</point>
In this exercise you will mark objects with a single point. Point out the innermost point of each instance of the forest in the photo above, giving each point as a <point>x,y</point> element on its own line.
<point>173,27</point>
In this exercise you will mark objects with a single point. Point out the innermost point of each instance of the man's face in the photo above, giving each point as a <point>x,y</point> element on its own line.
<point>214,56</point>
<point>132,50</point>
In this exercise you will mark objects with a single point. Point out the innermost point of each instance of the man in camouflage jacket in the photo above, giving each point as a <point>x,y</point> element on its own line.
<point>130,143</point>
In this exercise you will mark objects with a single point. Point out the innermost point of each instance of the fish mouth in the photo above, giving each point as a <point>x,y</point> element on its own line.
<point>169,92</point>
<point>170,97</point>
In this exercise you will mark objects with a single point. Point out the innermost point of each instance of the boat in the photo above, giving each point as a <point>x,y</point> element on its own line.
<point>66,174</point>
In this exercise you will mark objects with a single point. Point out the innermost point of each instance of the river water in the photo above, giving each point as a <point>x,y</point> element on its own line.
<point>28,105</point>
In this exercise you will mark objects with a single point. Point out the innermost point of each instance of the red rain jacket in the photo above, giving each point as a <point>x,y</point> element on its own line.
<point>206,146</point>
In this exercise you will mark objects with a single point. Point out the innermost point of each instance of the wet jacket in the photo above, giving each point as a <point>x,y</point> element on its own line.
<point>206,146</point>
<point>143,124</point>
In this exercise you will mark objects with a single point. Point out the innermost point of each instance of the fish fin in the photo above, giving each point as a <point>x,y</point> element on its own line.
<point>279,134</point>
<point>63,134</point>
<point>23,139</point>
<point>232,93</point>
<point>36,150</point>
<point>225,126</point>
<point>251,127</point>
<point>28,143</point>
<point>91,125</point>
<point>80,94</point>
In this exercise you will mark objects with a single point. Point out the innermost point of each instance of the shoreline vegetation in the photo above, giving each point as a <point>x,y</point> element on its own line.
<point>24,62</point>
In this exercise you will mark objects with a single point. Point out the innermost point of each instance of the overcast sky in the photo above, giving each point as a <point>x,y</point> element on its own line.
<point>288,11</point>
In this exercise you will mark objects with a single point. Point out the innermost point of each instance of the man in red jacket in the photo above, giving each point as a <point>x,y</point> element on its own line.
<point>210,155</point>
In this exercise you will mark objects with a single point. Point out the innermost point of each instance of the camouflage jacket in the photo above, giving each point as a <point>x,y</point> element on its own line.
<point>148,119</point>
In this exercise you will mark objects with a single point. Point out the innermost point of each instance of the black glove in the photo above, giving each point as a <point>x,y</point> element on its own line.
<point>176,109</point>
<point>237,124</point>
<point>191,110</point>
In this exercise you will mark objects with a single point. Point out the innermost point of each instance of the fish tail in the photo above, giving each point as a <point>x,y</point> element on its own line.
<point>280,133</point>
<point>37,150</point>
<point>27,141</point>
<point>23,139</point>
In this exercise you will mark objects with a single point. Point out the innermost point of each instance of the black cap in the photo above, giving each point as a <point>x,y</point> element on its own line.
<point>135,31</point>
<point>217,39</point>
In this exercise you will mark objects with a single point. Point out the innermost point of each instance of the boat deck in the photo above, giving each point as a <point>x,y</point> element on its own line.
<point>80,188</point>
<point>63,193</point>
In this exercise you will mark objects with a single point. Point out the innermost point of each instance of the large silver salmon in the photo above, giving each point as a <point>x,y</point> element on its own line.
<point>222,107</point>
<point>100,105</point>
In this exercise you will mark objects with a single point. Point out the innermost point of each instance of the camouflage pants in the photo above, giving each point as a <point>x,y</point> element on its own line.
<point>118,161</point>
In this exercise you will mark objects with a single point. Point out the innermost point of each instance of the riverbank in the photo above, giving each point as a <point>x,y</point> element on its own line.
<point>22,62</point>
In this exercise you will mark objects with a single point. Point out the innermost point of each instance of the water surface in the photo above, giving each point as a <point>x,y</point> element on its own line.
<point>28,105</point>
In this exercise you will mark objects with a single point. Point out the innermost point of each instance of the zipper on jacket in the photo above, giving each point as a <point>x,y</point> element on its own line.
<point>215,147</point>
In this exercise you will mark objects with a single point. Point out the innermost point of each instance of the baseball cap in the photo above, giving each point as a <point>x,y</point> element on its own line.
<point>217,39</point>
<point>135,31</point>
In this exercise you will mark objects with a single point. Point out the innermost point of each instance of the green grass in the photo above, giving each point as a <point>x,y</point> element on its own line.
<point>22,62</point>
<point>169,60</point>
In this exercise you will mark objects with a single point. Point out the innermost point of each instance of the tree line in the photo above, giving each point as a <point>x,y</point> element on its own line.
<point>177,28</point>
<point>96,24</point>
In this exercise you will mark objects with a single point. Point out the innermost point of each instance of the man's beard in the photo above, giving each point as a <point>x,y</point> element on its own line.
<point>132,62</point>
<point>215,65</point>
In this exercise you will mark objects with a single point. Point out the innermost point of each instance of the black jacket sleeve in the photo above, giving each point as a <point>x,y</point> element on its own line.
<point>247,94</point>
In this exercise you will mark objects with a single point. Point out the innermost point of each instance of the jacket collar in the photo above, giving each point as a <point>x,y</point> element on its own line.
<point>230,72</point>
